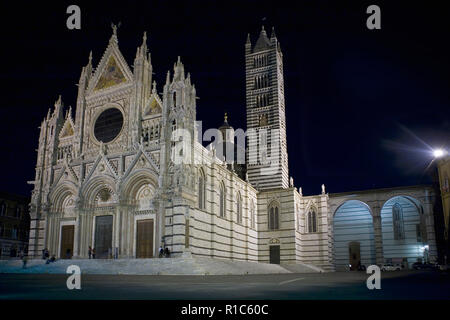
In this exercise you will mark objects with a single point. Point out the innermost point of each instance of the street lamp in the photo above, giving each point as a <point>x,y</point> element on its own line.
<point>438,153</point>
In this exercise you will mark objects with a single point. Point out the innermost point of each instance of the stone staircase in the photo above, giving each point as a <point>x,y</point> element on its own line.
<point>303,268</point>
<point>156,266</point>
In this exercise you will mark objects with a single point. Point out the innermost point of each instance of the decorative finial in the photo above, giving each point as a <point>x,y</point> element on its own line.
<point>225,117</point>
<point>58,102</point>
<point>144,38</point>
<point>114,28</point>
<point>90,57</point>
<point>323,189</point>
<point>154,87</point>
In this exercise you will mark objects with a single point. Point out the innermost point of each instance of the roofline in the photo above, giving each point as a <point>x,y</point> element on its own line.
<point>419,186</point>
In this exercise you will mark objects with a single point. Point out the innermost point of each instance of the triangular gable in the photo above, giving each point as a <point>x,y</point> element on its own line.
<point>111,75</point>
<point>103,166</point>
<point>68,173</point>
<point>153,107</point>
<point>67,129</point>
<point>142,160</point>
<point>112,69</point>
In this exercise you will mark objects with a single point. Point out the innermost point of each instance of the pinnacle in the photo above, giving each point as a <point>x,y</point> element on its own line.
<point>273,33</point>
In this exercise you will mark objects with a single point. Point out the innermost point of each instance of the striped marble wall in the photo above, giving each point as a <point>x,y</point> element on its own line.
<point>353,222</point>
<point>409,247</point>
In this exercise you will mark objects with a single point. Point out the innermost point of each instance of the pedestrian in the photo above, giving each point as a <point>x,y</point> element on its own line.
<point>46,253</point>
<point>93,253</point>
<point>167,252</point>
<point>43,253</point>
<point>90,252</point>
<point>161,251</point>
<point>68,256</point>
<point>24,261</point>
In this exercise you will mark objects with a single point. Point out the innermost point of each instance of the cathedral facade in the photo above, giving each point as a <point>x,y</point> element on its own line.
<point>129,174</point>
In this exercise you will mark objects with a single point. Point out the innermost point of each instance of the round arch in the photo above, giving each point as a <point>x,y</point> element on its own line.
<point>135,181</point>
<point>91,190</point>
<point>361,202</point>
<point>60,193</point>
<point>354,239</point>
<point>403,229</point>
<point>416,202</point>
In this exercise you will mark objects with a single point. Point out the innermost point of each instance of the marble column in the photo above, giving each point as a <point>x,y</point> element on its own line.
<point>429,221</point>
<point>378,238</point>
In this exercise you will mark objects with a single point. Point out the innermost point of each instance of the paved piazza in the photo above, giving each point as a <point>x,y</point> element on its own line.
<point>338,285</point>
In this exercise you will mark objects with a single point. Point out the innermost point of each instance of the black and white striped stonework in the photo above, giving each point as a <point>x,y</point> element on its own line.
<point>266,114</point>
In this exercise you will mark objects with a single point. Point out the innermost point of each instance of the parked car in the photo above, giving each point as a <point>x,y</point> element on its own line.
<point>443,267</point>
<point>425,266</point>
<point>391,267</point>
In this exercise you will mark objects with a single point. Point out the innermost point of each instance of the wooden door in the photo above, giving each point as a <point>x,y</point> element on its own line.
<point>103,236</point>
<point>354,255</point>
<point>144,238</point>
<point>275,254</point>
<point>67,235</point>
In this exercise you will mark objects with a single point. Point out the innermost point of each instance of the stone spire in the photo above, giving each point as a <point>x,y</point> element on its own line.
<point>273,35</point>
<point>143,48</point>
<point>168,78</point>
<point>58,105</point>
<point>178,70</point>
<point>263,42</point>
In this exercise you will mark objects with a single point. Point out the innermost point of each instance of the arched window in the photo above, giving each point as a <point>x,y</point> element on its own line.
<point>201,190</point>
<point>2,209</point>
<point>397,222</point>
<point>222,200</point>
<point>312,221</point>
<point>273,217</point>
<point>252,215</point>
<point>14,232</point>
<point>239,208</point>
<point>174,125</point>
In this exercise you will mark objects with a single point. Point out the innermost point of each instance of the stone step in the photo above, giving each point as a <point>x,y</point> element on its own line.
<point>174,266</point>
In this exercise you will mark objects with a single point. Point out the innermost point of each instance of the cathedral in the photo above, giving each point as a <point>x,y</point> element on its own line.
<point>127,173</point>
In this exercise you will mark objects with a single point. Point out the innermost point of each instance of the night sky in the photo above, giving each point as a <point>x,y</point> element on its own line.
<point>363,106</point>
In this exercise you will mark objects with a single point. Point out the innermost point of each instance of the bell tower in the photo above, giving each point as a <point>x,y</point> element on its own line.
<point>267,159</point>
